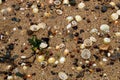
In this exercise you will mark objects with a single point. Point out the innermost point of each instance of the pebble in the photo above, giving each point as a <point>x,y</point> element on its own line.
<point>79,68</point>
<point>35,10</point>
<point>41,58</point>
<point>87,42</point>
<point>106,40</point>
<point>104,9</point>
<point>23,57</point>
<point>81,5</point>
<point>112,4</point>
<point>104,47</point>
<point>72,2</point>
<point>85,54</point>
<point>104,27</point>
<point>63,75</point>
<point>0,1</point>
<point>104,59</point>
<point>117,34</point>
<point>94,30</point>
<point>42,25</point>
<point>34,27</point>
<point>57,2</point>
<point>66,2</point>
<point>69,26</point>
<point>74,23</point>
<point>114,16</point>
<point>66,51</point>
<point>62,60</point>
<point>43,45</point>
<point>118,12</point>
<point>51,60</point>
<point>9,77</point>
<point>59,11</point>
<point>25,67</point>
<point>69,18</point>
<point>82,46</point>
<point>78,18</point>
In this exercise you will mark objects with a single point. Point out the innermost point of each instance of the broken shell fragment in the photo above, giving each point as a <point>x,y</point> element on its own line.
<point>85,54</point>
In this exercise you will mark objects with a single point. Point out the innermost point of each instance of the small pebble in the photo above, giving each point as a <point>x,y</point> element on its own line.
<point>62,60</point>
<point>81,5</point>
<point>63,75</point>
<point>87,42</point>
<point>24,67</point>
<point>69,18</point>
<point>72,2</point>
<point>51,60</point>
<point>114,16</point>
<point>59,11</point>
<point>0,1</point>
<point>35,10</point>
<point>104,9</point>
<point>34,27</point>
<point>112,4</point>
<point>41,58</point>
<point>78,18</point>
<point>66,2</point>
<point>104,59</point>
<point>43,45</point>
<point>104,27</point>
<point>93,39</point>
<point>66,51</point>
<point>74,23</point>
<point>118,12</point>
<point>10,78</point>
<point>69,26</point>
<point>94,30</point>
<point>85,54</point>
<point>107,40</point>
<point>117,34</point>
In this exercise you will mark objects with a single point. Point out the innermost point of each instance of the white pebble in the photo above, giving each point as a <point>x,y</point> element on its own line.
<point>63,75</point>
<point>66,51</point>
<point>114,16</point>
<point>23,57</point>
<point>104,59</point>
<point>117,34</point>
<point>69,18</point>
<point>85,54</point>
<point>107,40</point>
<point>94,65</point>
<point>69,26</point>
<point>42,25</point>
<point>51,60</point>
<point>78,18</point>
<point>65,1</point>
<point>34,27</point>
<point>104,27</point>
<point>94,30</point>
<point>24,67</point>
<point>10,78</point>
<point>81,5</point>
<point>0,1</point>
<point>112,4</point>
<point>82,46</point>
<point>35,10</point>
<point>56,62</point>
<point>43,45</point>
<point>108,54</point>
<point>62,60</point>
<point>118,12</point>
<point>74,23</point>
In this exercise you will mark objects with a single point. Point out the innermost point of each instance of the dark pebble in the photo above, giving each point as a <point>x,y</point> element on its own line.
<point>15,19</point>
<point>29,4</point>
<point>118,5</point>
<point>83,66</point>
<point>29,32</point>
<point>76,34</point>
<point>16,7</point>
<point>97,7</point>
<point>20,27</point>
<point>53,73</point>
<point>75,27</point>
<point>72,2</point>
<point>11,46</point>
<point>79,75</point>
<point>45,39</point>
<point>81,31</point>
<point>22,51</point>
<point>104,9</point>
<point>98,69</point>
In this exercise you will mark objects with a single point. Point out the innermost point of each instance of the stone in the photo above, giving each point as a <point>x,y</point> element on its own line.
<point>104,27</point>
<point>51,60</point>
<point>106,40</point>
<point>87,42</point>
<point>42,25</point>
<point>63,75</point>
<point>118,12</point>
<point>78,18</point>
<point>41,58</point>
<point>114,16</point>
<point>81,5</point>
<point>85,54</point>
<point>34,27</point>
<point>43,45</point>
<point>62,60</point>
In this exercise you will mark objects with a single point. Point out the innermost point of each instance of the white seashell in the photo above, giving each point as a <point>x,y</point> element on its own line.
<point>78,18</point>
<point>0,1</point>
<point>34,27</point>
<point>63,75</point>
<point>65,1</point>
<point>85,54</point>
<point>69,26</point>
<point>118,12</point>
<point>107,40</point>
<point>62,60</point>
<point>69,18</point>
<point>114,16</point>
<point>43,45</point>
<point>104,27</point>
<point>81,5</point>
